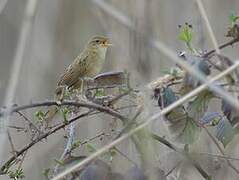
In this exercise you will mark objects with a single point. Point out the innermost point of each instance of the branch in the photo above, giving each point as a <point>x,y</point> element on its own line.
<point>61,126</point>
<point>208,25</point>
<point>230,43</point>
<point>29,121</point>
<point>68,103</point>
<point>40,138</point>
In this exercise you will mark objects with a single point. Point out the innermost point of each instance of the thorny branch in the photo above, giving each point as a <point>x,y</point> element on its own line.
<point>92,106</point>
<point>40,138</point>
<point>69,103</point>
<point>224,45</point>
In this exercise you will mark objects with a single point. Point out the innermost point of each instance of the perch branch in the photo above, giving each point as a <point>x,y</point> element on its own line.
<point>69,103</point>
<point>230,43</point>
<point>61,126</point>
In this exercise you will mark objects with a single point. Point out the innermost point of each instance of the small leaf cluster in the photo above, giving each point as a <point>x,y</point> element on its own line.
<point>40,115</point>
<point>233,18</point>
<point>186,35</point>
<point>17,174</point>
<point>186,120</point>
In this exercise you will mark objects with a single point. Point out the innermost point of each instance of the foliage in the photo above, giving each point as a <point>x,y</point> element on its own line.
<point>210,118</point>
<point>40,115</point>
<point>65,113</point>
<point>224,131</point>
<point>17,174</point>
<point>186,35</point>
<point>91,148</point>
<point>199,105</point>
<point>233,18</point>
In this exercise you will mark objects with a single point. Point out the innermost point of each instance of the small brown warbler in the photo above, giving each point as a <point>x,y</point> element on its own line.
<point>87,65</point>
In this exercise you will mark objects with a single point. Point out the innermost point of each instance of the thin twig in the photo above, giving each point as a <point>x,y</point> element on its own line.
<point>92,138</point>
<point>125,156</point>
<point>115,99</point>
<point>171,170</point>
<point>61,126</point>
<point>208,26</point>
<point>70,103</point>
<point>23,157</point>
<point>216,156</point>
<point>17,128</point>
<point>130,122</point>
<point>230,43</point>
<point>14,152</point>
<point>40,138</point>
<point>29,121</point>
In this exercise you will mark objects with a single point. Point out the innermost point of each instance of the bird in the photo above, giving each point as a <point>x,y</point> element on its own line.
<point>86,65</point>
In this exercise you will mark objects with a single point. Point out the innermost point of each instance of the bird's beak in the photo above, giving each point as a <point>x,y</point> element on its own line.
<point>109,44</point>
<point>106,44</point>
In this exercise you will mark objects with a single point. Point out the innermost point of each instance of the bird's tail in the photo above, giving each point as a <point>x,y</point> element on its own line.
<point>52,111</point>
<point>59,92</point>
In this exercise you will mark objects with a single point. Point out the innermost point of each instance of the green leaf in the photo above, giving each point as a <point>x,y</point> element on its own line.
<point>211,118</point>
<point>189,133</point>
<point>182,127</point>
<point>75,145</point>
<point>186,34</point>
<point>18,174</point>
<point>172,71</point>
<point>224,131</point>
<point>71,160</point>
<point>110,154</point>
<point>198,107</point>
<point>123,89</point>
<point>233,18</point>
<point>60,162</point>
<point>100,93</point>
<point>113,152</point>
<point>91,148</point>
<point>46,172</point>
<point>40,115</point>
<point>168,97</point>
<point>65,112</point>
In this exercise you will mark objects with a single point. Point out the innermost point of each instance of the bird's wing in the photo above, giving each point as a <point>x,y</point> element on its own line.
<point>74,71</point>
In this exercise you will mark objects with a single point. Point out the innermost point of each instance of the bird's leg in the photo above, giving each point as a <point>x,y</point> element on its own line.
<point>88,79</point>
<point>81,95</point>
<point>59,94</point>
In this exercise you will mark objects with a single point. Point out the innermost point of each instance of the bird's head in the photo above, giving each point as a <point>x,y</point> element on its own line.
<point>99,42</point>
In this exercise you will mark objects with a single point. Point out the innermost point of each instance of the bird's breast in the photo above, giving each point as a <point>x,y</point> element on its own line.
<point>96,62</point>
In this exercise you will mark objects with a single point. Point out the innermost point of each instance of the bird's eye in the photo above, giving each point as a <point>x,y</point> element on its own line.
<point>97,41</point>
